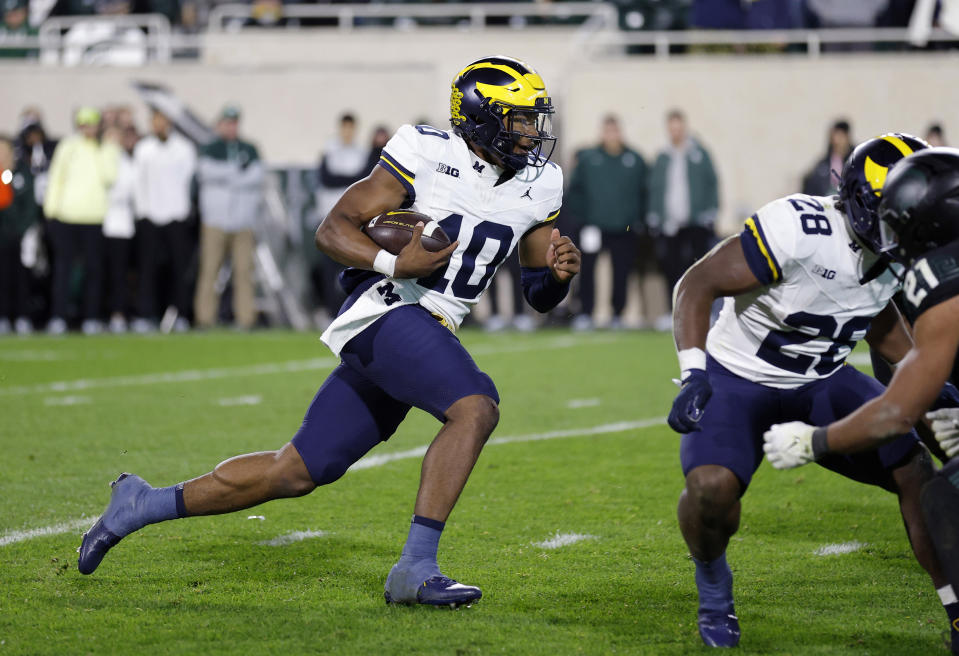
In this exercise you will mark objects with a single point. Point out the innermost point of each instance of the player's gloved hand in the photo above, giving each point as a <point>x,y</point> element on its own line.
<point>690,403</point>
<point>414,261</point>
<point>789,445</point>
<point>945,424</point>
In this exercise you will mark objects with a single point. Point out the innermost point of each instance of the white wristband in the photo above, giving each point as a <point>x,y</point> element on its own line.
<point>385,263</point>
<point>691,358</point>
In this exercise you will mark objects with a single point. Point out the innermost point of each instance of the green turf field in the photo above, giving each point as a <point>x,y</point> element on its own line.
<point>581,449</point>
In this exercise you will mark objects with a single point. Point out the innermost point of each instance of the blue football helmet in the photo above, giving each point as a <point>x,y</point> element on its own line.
<point>863,175</point>
<point>499,103</point>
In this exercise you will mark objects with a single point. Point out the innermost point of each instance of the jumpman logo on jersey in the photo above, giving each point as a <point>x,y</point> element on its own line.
<point>526,195</point>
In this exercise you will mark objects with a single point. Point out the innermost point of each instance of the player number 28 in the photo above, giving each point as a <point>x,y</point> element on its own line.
<point>809,327</point>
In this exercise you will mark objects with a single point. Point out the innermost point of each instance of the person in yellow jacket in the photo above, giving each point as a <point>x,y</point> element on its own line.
<point>81,173</point>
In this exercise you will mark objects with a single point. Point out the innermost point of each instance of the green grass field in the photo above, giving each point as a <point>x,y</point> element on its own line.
<point>586,452</point>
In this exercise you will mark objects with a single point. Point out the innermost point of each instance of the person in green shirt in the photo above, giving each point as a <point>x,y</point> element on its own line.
<point>14,27</point>
<point>231,176</point>
<point>683,202</point>
<point>607,196</point>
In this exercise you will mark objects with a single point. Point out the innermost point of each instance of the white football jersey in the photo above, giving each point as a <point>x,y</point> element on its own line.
<point>807,318</point>
<point>445,180</point>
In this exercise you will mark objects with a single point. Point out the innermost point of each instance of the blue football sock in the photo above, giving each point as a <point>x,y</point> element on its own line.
<point>146,505</point>
<point>419,552</point>
<point>714,580</point>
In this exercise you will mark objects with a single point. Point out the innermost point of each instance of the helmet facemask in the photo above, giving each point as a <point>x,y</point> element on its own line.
<point>510,126</point>
<point>862,206</point>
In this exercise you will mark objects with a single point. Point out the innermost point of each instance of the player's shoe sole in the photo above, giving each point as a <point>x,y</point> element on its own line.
<point>440,591</point>
<point>719,629</point>
<point>99,539</point>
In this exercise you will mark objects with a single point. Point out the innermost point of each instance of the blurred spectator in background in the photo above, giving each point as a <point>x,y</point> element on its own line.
<point>520,319</point>
<point>820,181</point>
<point>16,27</point>
<point>344,161</point>
<point>164,163</point>
<point>683,203</point>
<point>91,7</point>
<point>266,13</point>
<point>843,13</point>
<point>230,175</point>
<point>81,174</point>
<point>380,136</point>
<point>608,197</point>
<point>934,135</point>
<point>118,230</point>
<point>35,150</point>
<point>745,15</point>
<point>18,211</point>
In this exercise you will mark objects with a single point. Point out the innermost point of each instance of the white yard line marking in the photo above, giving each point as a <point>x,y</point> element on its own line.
<point>836,549</point>
<point>291,366</point>
<point>253,399</point>
<point>11,537</point>
<point>377,460</point>
<point>859,360</point>
<point>173,376</point>
<point>563,540</point>
<point>30,355</point>
<point>295,536</point>
<point>66,400</point>
<point>576,404</point>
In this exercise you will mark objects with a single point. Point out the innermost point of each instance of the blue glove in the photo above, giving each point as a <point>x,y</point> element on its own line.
<point>691,402</point>
<point>948,397</point>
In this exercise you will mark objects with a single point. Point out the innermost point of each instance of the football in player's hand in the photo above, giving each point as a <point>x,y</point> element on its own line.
<point>393,230</point>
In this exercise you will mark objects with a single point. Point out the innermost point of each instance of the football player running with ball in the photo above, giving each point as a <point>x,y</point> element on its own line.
<point>804,282</point>
<point>490,183</point>
<point>920,229</point>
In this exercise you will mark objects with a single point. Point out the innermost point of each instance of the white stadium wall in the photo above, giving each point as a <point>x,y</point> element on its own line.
<point>764,118</point>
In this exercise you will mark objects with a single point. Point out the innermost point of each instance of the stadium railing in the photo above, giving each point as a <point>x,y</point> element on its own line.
<point>131,39</point>
<point>667,43</point>
<point>597,31</point>
<point>472,15</point>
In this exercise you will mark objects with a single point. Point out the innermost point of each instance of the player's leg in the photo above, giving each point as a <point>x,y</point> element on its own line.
<point>902,466</point>
<point>453,453</point>
<point>719,460</point>
<point>417,361</point>
<point>348,416</point>
<point>940,507</point>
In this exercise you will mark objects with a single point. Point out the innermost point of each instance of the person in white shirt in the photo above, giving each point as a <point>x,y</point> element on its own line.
<point>118,229</point>
<point>344,161</point>
<point>164,164</point>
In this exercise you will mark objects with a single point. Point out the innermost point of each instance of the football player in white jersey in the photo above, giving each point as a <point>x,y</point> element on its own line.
<point>490,183</point>
<point>803,283</point>
<point>920,215</point>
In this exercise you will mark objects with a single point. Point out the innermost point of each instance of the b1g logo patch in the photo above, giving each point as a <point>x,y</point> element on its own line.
<point>448,170</point>
<point>828,274</point>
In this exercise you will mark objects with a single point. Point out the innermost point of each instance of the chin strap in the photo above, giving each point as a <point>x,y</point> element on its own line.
<point>875,270</point>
